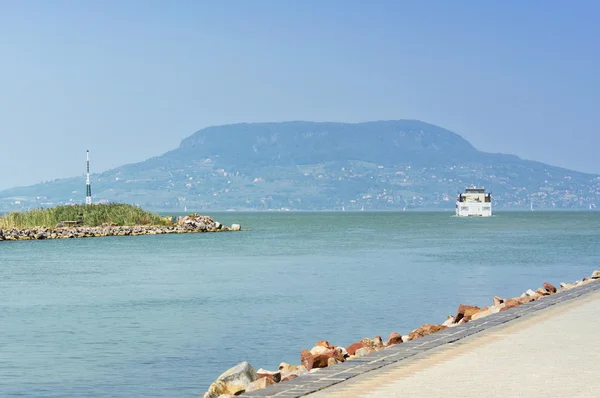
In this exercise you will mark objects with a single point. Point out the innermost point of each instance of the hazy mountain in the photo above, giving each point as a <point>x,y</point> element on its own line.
<point>306,165</point>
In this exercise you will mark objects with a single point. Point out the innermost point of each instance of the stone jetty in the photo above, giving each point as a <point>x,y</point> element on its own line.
<point>188,224</point>
<point>243,378</point>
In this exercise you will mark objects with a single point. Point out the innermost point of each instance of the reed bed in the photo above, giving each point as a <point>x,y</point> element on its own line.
<point>89,215</point>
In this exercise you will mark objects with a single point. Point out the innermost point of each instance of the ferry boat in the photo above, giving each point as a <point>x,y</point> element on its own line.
<point>474,202</point>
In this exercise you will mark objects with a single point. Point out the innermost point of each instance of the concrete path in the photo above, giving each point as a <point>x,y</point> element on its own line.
<point>553,352</point>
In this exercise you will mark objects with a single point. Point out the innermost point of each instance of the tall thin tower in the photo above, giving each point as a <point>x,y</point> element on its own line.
<point>88,187</point>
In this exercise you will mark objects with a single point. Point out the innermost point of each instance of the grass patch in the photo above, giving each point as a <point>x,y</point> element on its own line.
<point>89,215</point>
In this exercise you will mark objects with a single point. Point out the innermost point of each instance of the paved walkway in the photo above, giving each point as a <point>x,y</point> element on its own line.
<point>553,352</point>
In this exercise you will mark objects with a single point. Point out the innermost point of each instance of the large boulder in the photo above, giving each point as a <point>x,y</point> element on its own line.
<point>487,312</point>
<point>351,349</point>
<point>393,339</point>
<point>466,312</point>
<point>549,288</point>
<point>596,274</point>
<point>234,381</point>
<point>307,359</point>
<point>285,369</point>
<point>275,376</point>
<point>425,330</point>
<point>320,361</point>
<point>510,303</point>
<point>376,344</point>
<point>361,352</point>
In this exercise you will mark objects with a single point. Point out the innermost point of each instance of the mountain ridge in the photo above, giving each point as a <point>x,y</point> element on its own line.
<point>302,165</point>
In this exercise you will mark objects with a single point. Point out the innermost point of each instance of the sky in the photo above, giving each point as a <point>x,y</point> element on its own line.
<point>130,79</point>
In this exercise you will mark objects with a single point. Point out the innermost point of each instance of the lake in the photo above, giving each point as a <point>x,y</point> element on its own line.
<point>163,316</point>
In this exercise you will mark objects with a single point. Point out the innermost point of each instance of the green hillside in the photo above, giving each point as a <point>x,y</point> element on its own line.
<point>321,166</point>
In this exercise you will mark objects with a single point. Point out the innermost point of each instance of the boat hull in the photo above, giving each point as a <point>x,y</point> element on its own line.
<point>473,209</point>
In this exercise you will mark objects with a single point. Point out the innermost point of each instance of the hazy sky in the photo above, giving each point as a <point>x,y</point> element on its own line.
<point>130,79</point>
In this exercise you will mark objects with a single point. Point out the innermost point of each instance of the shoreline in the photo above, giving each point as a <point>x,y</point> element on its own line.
<point>325,364</point>
<point>187,224</point>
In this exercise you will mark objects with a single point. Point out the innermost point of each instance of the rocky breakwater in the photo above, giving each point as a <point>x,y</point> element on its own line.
<point>188,224</point>
<point>243,377</point>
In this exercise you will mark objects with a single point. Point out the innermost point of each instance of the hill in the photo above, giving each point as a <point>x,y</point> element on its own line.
<point>321,166</point>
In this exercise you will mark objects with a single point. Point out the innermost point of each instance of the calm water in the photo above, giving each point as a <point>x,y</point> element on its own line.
<point>163,316</point>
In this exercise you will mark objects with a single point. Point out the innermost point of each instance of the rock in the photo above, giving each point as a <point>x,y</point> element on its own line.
<point>376,344</point>
<point>342,351</point>
<point>320,361</point>
<point>596,274</point>
<point>361,352</point>
<point>549,288</point>
<point>236,227</point>
<point>290,377</point>
<point>465,311</point>
<point>318,349</point>
<point>542,292</point>
<point>566,286</point>
<point>234,380</point>
<point>275,376</point>
<point>258,384</point>
<point>285,369</point>
<point>405,337</point>
<point>484,313</point>
<point>394,339</point>
<point>526,299</point>
<point>426,330</point>
<point>497,301</point>
<point>351,349</point>
<point>530,292</point>
<point>307,359</point>
<point>449,321</point>
<point>510,303</point>
<point>332,361</point>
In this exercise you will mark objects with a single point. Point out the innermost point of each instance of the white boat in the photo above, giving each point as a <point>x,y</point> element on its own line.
<point>474,202</point>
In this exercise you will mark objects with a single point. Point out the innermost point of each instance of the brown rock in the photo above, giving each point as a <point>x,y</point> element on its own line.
<point>549,288</point>
<point>525,299</point>
<point>320,361</point>
<point>486,312</point>
<point>290,377</point>
<point>510,303</point>
<point>425,330</point>
<point>465,311</point>
<point>394,339</point>
<point>542,292</point>
<point>332,361</point>
<point>355,346</point>
<point>258,384</point>
<point>274,376</point>
<point>307,359</point>
<point>336,354</point>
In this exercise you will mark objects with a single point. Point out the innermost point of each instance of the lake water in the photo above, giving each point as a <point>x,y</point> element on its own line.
<point>163,316</point>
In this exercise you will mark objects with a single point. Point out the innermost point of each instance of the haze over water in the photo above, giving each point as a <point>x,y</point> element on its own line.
<point>163,316</point>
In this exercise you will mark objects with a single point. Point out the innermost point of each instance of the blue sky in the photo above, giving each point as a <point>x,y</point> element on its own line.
<point>130,79</point>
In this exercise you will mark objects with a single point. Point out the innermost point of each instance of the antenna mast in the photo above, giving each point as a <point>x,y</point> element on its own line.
<point>88,187</point>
